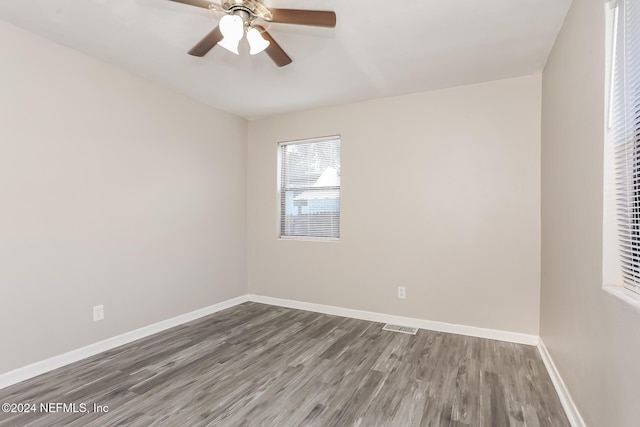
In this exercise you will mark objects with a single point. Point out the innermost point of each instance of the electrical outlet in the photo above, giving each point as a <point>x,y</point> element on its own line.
<point>98,312</point>
<point>402,292</point>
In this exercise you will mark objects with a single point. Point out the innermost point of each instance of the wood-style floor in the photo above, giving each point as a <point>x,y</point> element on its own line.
<point>260,365</point>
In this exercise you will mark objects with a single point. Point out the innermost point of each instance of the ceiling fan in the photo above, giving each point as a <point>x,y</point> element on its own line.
<point>243,17</point>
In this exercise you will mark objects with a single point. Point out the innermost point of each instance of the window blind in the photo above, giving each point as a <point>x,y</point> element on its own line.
<point>625,130</point>
<point>310,188</point>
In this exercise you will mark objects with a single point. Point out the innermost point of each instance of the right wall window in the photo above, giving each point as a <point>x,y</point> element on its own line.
<point>623,142</point>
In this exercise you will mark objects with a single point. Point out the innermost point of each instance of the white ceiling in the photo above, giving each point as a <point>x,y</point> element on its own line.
<point>378,48</point>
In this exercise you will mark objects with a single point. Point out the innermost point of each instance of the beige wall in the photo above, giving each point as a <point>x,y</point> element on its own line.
<point>593,338</point>
<point>440,194</point>
<point>112,191</point>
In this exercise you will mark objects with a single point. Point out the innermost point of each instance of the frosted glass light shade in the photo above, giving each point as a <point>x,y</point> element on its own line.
<point>232,28</point>
<point>257,43</point>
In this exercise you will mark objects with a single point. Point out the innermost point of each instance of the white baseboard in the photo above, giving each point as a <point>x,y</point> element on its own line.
<point>473,331</point>
<point>570,408</point>
<point>38,368</point>
<point>18,375</point>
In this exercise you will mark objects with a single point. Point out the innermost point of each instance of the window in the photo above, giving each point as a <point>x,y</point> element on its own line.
<point>624,138</point>
<point>310,188</point>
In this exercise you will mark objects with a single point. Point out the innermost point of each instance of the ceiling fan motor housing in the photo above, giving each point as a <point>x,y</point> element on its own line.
<point>253,7</point>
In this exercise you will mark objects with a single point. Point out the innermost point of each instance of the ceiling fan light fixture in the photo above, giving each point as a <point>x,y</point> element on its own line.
<point>257,43</point>
<point>232,28</point>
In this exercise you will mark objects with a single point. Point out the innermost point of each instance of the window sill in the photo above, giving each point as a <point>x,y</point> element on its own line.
<point>311,239</point>
<point>625,295</point>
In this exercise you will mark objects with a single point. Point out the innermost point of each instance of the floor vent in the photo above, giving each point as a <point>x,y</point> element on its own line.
<point>401,329</point>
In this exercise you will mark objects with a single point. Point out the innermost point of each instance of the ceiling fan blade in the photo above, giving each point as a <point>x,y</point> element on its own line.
<point>275,52</point>
<point>316,18</point>
<point>198,3</point>
<point>207,43</point>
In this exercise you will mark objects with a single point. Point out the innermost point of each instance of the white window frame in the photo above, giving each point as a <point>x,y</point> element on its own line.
<point>279,192</point>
